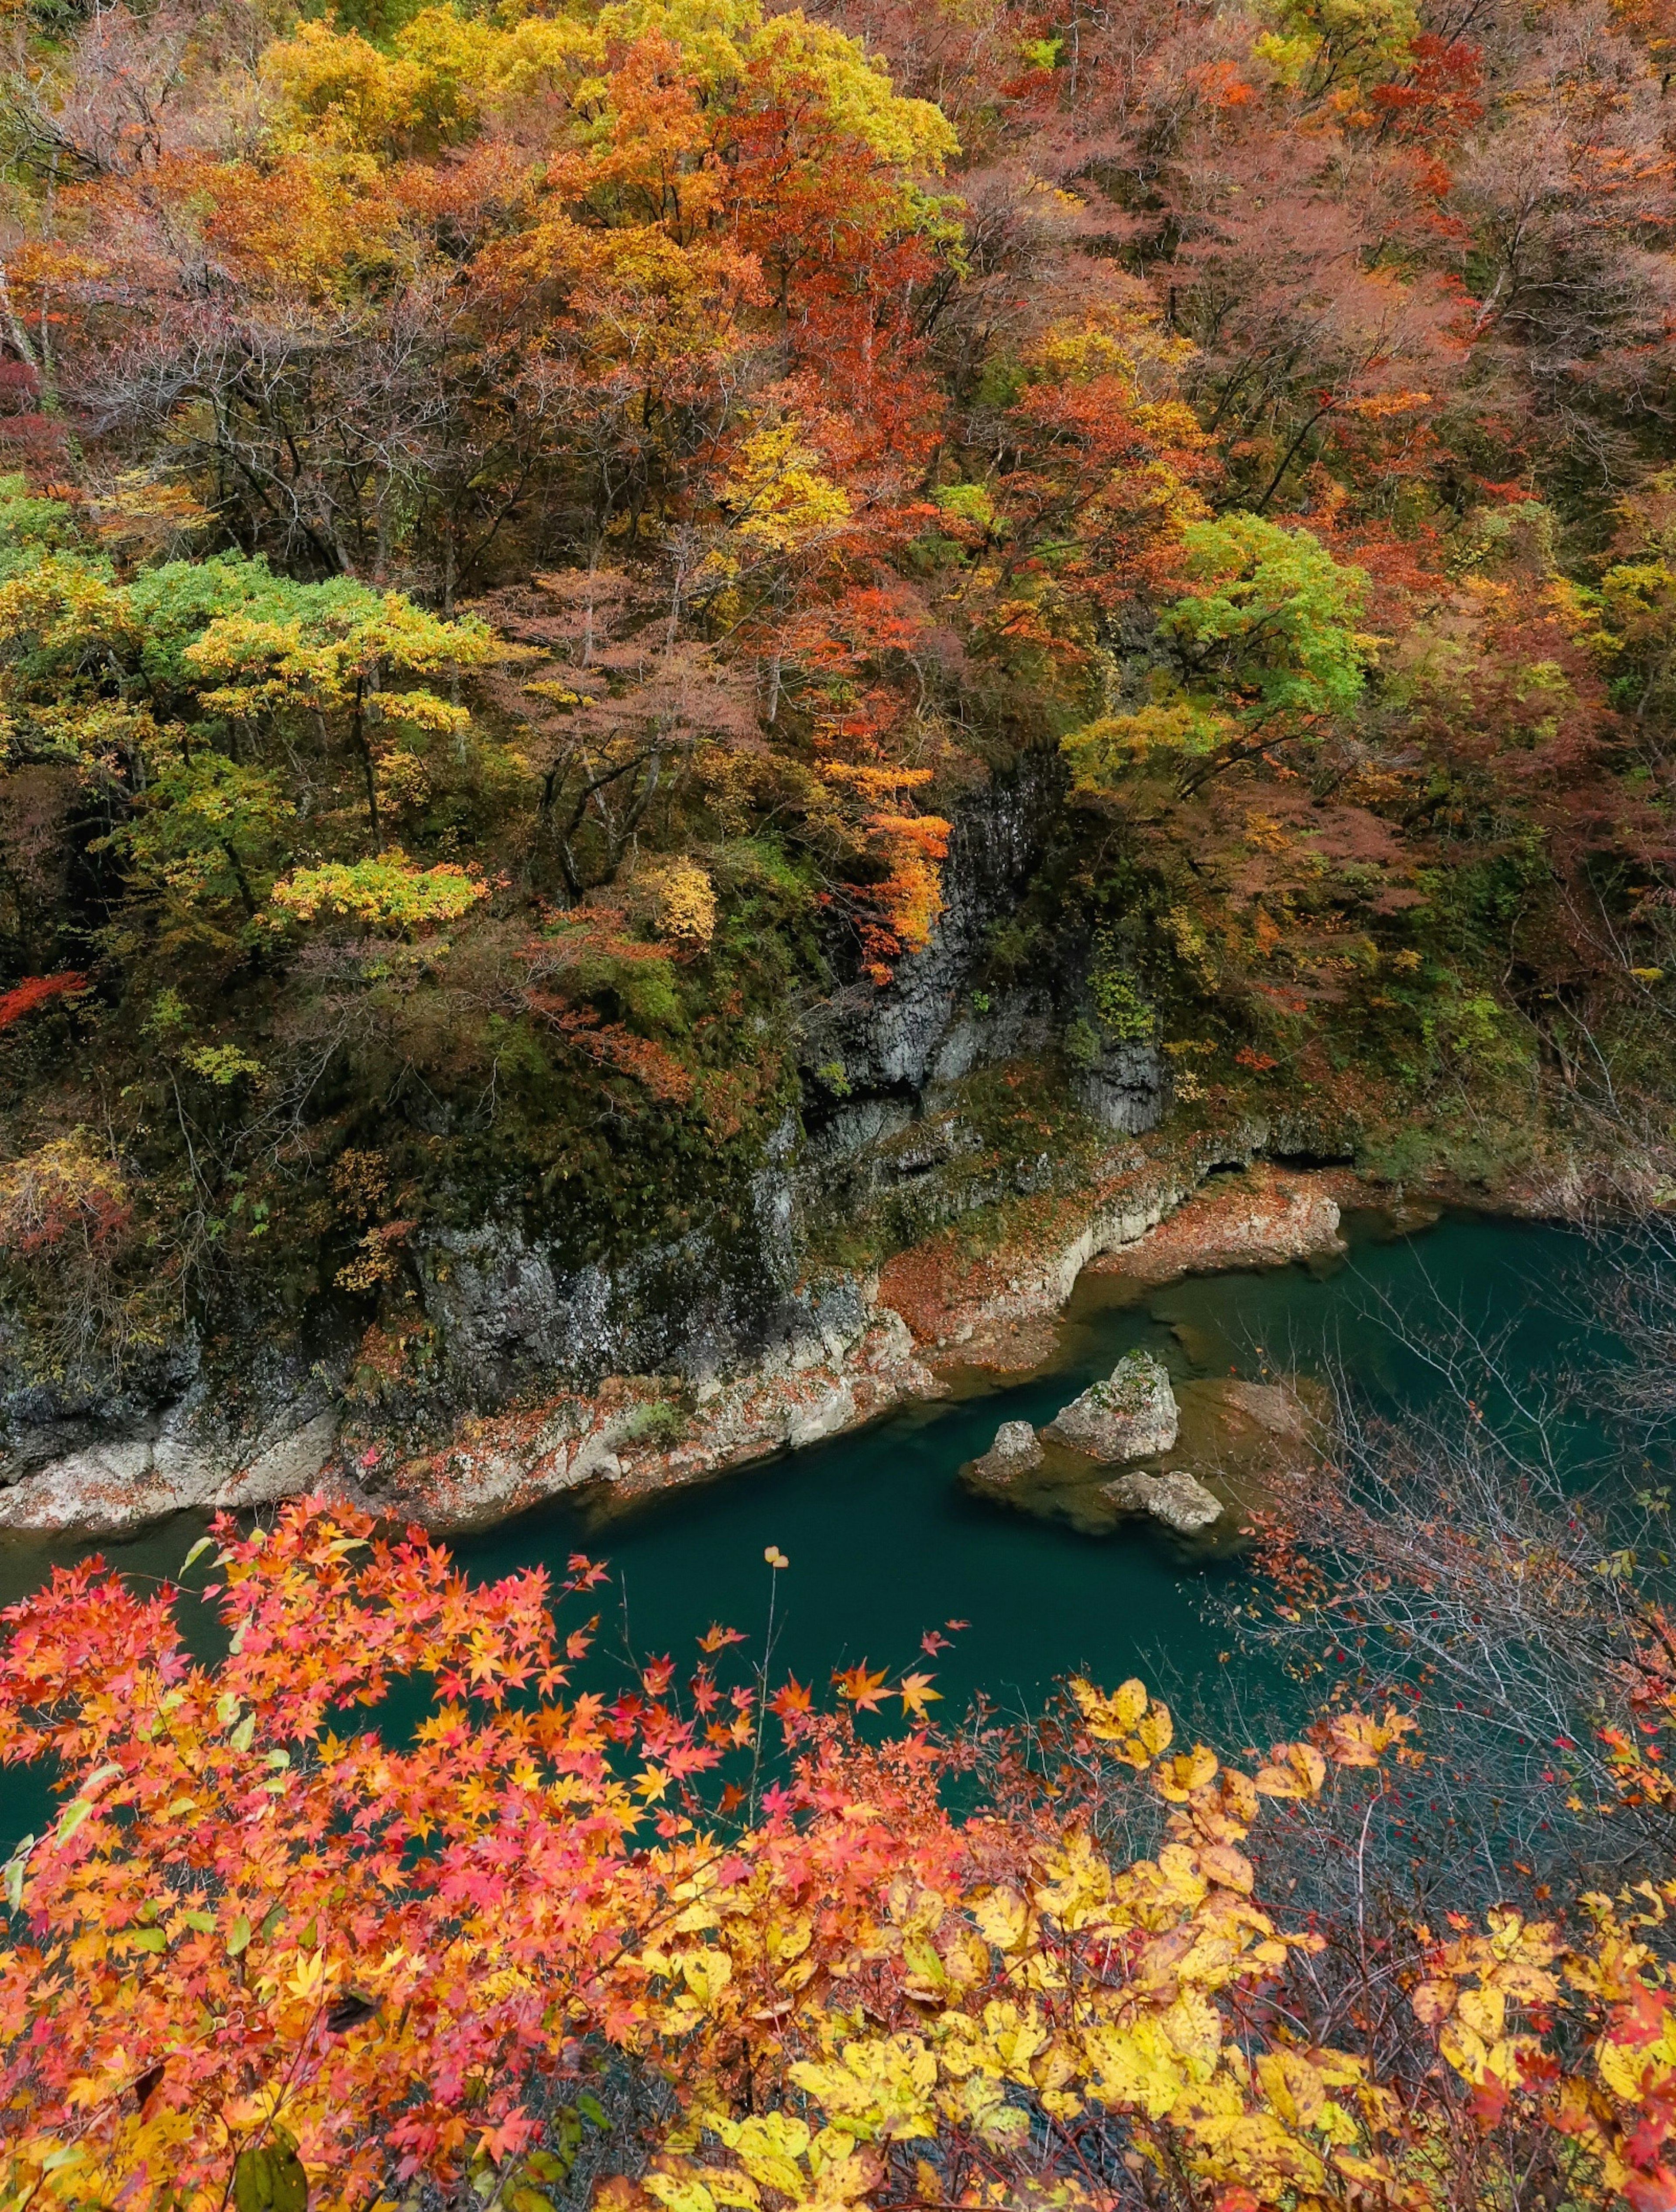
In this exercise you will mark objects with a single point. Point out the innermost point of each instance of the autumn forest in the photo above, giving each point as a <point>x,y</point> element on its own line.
<point>528,528</point>
<point>672,673</point>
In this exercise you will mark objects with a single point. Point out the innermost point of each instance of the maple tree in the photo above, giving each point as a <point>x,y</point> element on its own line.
<point>256,1954</point>
<point>38,991</point>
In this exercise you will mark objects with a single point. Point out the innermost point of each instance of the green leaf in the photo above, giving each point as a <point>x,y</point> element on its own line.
<point>253,2184</point>
<point>270,2178</point>
<point>16,1867</point>
<point>238,1935</point>
<point>242,1735</point>
<point>73,1818</point>
<point>290,2183</point>
<point>196,1552</point>
<point>150,1938</point>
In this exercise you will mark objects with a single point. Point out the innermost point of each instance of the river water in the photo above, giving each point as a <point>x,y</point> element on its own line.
<point>885,1545</point>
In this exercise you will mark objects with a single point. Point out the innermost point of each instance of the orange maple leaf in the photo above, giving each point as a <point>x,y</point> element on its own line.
<point>864,1691</point>
<point>916,1694</point>
<point>793,1699</point>
<point>715,1636</point>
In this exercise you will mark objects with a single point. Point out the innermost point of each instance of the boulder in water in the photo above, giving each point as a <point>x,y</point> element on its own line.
<point>1175,1497</point>
<point>1015,1452</point>
<point>1130,1415</point>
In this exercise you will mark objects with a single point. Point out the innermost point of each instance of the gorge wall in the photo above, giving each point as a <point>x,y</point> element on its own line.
<point>753,1334</point>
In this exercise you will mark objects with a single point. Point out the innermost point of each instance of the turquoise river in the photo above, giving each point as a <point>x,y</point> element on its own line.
<point>884,1545</point>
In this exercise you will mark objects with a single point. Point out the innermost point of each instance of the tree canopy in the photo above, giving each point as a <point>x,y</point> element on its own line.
<point>526,529</point>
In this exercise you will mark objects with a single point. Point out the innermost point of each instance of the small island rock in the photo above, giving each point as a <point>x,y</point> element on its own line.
<point>1016,1451</point>
<point>1175,1497</point>
<point>1131,1415</point>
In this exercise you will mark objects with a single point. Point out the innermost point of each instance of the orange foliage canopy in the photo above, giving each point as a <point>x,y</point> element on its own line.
<point>256,1954</point>
<point>671,274</point>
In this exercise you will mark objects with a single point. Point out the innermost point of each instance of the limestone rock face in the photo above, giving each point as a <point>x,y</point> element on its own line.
<point>1130,1415</point>
<point>1126,1088</point>
<point>1175,1497</point>
<point>892,1129</point>
<point>109,1487</point>
<point>764,1353</point>
<point>1264,1217</point>
<point>1016,1451</point>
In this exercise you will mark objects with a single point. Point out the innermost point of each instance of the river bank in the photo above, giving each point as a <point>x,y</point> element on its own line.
<point>887,1541</point>
<point>950,1317</point>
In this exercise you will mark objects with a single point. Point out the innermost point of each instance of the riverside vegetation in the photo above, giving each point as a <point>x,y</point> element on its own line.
<point>702,1943</point>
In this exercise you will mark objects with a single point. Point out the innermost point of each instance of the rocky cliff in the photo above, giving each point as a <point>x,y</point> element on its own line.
<point>892,1142</point>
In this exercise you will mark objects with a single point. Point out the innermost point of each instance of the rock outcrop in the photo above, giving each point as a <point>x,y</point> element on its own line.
<point>1276,1408</point>
<point>982,1305</point>
<point>847,1361</point>
<point>104,1487</point>
<point>1132,1414</point>
<point>838,1354</point>
<point>1016,1454</point>
<point>632,1438</point>
<point>1193,1456</point>
<point>755,1356</point>
<point>1263,1216</point>
<point>1177,1498</point>
<point>884,1120</point>
<point>921,1031</point>
<point>1123,1089</point>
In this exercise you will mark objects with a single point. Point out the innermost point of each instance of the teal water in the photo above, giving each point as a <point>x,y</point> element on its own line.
<point>885,1545</point>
